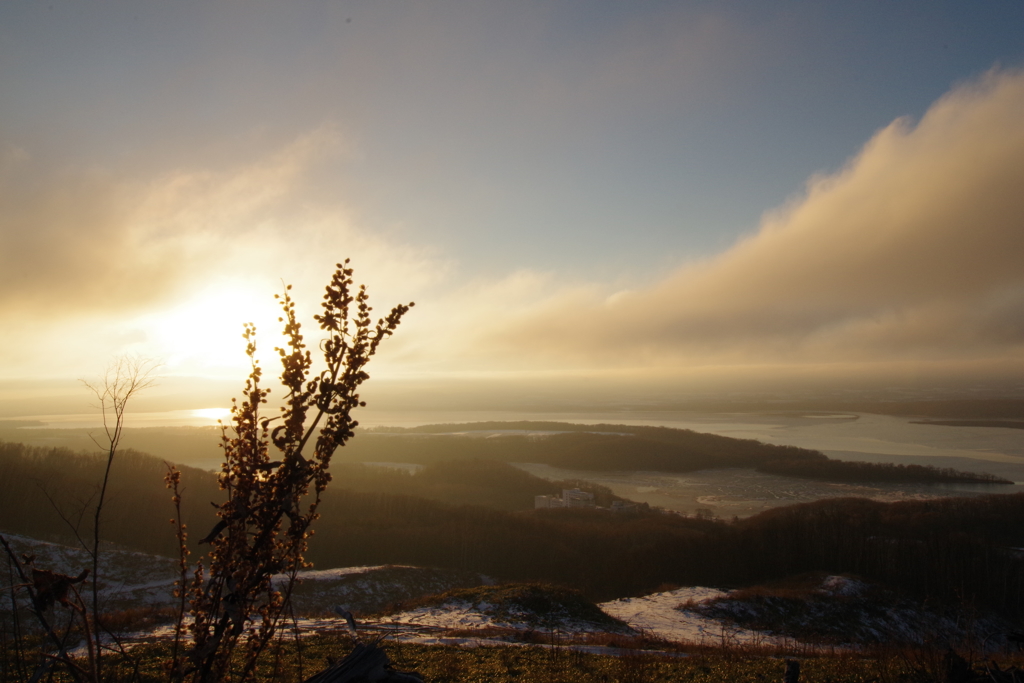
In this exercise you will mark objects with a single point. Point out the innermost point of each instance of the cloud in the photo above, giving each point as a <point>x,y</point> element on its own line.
<point>85,240</point>
<point>92,264</point>
<point>911,252</point>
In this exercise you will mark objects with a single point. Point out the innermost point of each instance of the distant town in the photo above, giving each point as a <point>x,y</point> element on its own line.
<point>575,498</point>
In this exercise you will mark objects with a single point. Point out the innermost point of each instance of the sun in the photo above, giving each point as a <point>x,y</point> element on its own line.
<point>204,333</point>
<point>211,413</point>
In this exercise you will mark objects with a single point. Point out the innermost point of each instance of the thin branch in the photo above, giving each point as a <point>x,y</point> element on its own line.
<point>63,517</point>
<point>123,379</point>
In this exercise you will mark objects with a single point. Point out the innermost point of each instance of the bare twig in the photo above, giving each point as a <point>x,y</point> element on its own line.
<point>125,377</point>
<point>64,518</point>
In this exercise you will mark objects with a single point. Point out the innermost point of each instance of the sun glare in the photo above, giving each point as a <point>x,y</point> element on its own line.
<point>205,332</point>
<point>211,413</point>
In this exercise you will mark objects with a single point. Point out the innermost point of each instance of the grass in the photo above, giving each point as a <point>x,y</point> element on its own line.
<point>137,618</point>
<point>499,664</point>
<point>551,656</point>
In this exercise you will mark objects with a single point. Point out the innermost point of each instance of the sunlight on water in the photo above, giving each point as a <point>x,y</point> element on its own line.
<point>212,413</point>
<point>202,417</point>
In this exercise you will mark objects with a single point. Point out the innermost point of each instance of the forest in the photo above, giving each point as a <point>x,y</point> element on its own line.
<point>559,444</point>
<point>629,448</point>
<point>950,550</point>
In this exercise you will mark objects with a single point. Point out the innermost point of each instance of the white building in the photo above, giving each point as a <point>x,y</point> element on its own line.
<point>541,502</point>
<point>571,498</point>
<point>574,498</point>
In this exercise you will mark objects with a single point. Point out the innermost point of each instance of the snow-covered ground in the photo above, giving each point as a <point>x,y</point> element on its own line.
<point>134,579</point>
<point>465,616</point>
<point>329,574</point>
<point>453,615</point>
<point>839,610</point>
<point>659,615</point>
<point>127,578</point>
<point>845,611</point>
<point>655,614</point>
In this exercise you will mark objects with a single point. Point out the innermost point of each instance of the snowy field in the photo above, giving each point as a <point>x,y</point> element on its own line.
<point>659,615</point>
<point>690,615</point>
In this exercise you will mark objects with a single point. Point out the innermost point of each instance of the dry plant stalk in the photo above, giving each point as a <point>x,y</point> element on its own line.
<point>265,522</point>
<point>124,378</point>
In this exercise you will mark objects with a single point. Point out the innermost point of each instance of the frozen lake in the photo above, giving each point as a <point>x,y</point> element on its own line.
<point>852,436</point>
<point>741,493</point>
<point>848,436</point>
<point>862,437</point>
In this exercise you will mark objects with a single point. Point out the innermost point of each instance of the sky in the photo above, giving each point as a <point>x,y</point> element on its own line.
<point>586,200</point>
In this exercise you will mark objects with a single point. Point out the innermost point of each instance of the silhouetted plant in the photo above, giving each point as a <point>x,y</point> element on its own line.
<point>265,522</point>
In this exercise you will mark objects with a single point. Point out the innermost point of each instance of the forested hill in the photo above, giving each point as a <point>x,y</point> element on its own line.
<point>605,447</point>
<point>951,550</point>
<point>47,493</point>
<point>628,448</point>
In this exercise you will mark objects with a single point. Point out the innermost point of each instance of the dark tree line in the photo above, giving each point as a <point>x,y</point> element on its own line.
<point>627,448</point>
<point>826,469</point>
<point>949,549</point>
<point>953,550</point>
<point>488,483</point>
<point>45,493</point>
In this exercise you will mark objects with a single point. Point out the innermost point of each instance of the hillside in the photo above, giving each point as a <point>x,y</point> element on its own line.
<point>429,606</point>
<point>629,448</point>
<point>488,483</point>
<point>951,549</point>
<point>605,447</point>
<point>44,491</point>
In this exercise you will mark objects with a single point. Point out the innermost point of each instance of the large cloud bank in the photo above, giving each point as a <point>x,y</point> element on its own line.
<point>913,251</point>
<point>911,254</point>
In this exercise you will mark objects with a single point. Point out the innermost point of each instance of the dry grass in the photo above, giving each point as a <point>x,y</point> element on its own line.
<point>501,664</point>
<point>137,618</point>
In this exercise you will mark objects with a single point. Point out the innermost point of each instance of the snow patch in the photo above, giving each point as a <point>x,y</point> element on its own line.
<point>666,615</point>
<point>336,573</point>
<point>843,586</point>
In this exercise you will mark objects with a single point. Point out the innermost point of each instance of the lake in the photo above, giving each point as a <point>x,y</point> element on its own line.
<point>849,436</point>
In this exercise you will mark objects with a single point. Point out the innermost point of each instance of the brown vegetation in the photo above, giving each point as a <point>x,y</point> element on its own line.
<point>273,492</point>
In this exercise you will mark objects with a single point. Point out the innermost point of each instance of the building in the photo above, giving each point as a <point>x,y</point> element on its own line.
<point>574,498</point>
<point>541,502</point>
<point>623,507</point>
<point>570,498</point>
